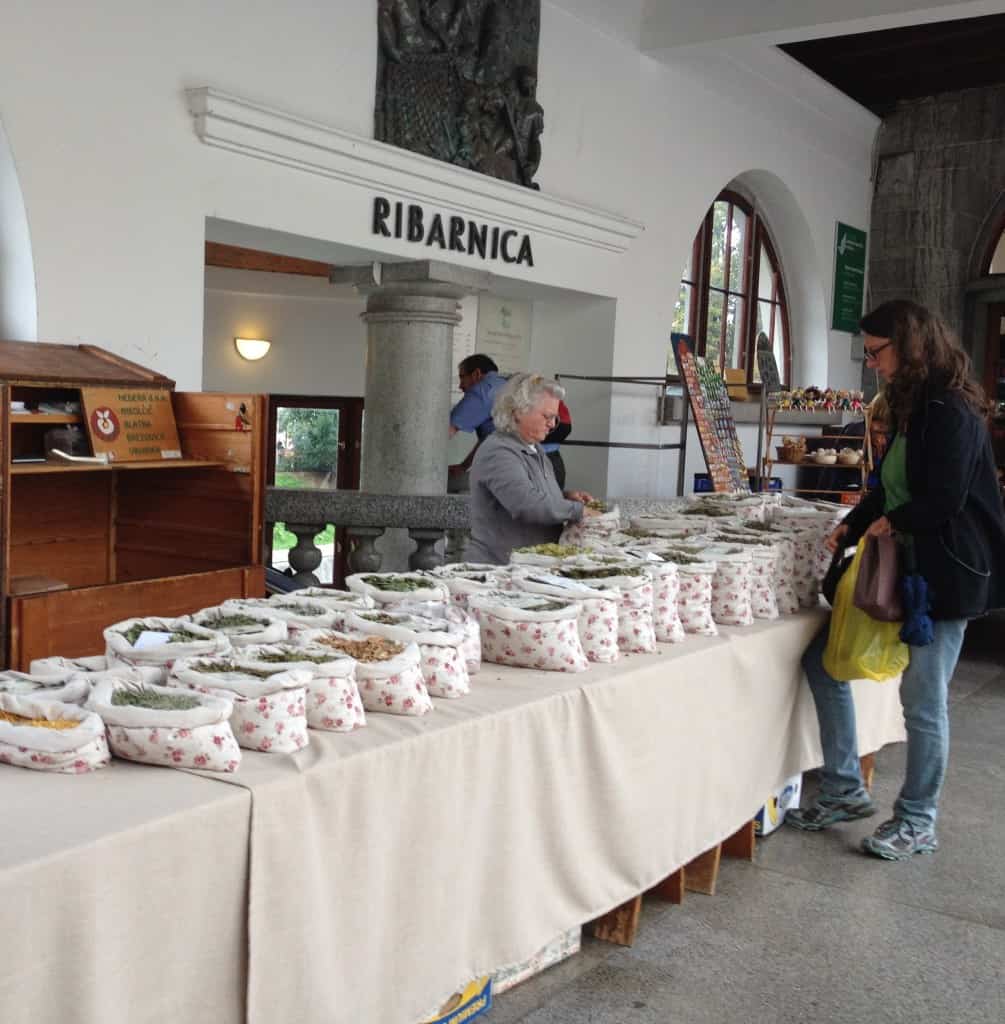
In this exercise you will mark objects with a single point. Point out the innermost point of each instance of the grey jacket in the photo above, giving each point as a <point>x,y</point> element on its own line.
<point>515,499</point>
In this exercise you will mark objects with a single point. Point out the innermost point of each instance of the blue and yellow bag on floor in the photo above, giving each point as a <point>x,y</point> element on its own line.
<point>859,646</point>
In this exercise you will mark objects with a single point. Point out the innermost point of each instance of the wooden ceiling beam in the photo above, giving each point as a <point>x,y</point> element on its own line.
<point>234,257</point>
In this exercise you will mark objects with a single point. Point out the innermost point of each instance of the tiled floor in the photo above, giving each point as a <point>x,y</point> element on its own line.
<point>814,931</point>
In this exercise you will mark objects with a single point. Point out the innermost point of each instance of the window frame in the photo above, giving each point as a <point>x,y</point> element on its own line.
<point>755,236</point>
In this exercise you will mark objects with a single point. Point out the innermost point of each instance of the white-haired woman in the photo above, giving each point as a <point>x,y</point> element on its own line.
<point>515,498</point>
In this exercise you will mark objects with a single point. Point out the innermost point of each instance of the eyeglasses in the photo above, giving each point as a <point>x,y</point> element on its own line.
<point>873,353</point>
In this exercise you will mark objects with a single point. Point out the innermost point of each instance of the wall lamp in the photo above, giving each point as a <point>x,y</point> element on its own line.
<point>252,348</point>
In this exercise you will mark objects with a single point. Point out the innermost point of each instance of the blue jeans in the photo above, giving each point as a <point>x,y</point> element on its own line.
<point>924,694</point>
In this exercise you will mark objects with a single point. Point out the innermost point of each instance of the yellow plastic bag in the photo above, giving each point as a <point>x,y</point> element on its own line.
<point>859,646</point>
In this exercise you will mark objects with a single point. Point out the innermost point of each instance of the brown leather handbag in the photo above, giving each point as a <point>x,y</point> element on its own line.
<point>877,588</point>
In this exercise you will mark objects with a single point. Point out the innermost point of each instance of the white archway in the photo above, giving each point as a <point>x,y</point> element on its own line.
<point>809,340</point>
<point>18,295</point>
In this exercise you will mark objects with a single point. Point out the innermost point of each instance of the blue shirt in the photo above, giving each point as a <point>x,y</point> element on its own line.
<point>474,410</point>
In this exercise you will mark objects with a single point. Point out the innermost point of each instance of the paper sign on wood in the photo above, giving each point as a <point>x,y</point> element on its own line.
<point>131,424</point>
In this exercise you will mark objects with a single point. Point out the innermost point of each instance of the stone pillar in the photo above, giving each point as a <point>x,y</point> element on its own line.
<point>411,312</point>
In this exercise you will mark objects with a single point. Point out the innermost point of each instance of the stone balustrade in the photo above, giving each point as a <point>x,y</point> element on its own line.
<point>429,519</point>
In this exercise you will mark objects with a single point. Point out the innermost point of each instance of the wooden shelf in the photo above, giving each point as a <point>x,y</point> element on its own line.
<point>46,417</point>
<point>34,468</point>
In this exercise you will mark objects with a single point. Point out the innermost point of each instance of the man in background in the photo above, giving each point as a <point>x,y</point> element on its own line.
<point>480,380</point>
<point>550,445</point>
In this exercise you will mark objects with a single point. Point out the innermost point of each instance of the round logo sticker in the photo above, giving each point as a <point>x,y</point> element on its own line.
<point>105,423</point>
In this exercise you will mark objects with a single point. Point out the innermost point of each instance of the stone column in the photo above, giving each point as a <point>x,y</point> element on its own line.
<point>411,312</point>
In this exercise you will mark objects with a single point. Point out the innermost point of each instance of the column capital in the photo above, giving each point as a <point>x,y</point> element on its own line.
<point>414,277</point>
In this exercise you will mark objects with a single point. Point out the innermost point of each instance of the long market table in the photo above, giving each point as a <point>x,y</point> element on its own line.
<point>368,876</point>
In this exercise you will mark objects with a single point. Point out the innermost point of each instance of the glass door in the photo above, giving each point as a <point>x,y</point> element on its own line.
<point>315,444</point>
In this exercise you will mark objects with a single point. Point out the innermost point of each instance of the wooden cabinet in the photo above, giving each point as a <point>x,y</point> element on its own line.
<point>87,544</point>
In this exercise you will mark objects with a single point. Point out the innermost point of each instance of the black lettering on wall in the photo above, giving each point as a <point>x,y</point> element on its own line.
<point>456,230</point>
<point>381,211</point>
<point>415,230</point>
<point>504,245</point>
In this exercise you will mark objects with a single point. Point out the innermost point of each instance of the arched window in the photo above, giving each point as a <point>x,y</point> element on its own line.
<point>732,289</point>
<point>998,256</point>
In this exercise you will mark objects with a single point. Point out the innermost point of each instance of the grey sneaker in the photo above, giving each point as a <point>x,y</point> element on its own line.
<point>827,811</point>
<point>899,839</point>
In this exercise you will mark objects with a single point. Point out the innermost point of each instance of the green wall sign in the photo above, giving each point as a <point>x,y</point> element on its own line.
<point>849,278</point>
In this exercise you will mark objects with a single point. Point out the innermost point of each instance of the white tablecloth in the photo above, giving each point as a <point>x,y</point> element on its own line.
<point>123,897</point>
<point>390,865</point>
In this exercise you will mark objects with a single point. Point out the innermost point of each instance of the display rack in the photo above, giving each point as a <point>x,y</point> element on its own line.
<point>864,467</point>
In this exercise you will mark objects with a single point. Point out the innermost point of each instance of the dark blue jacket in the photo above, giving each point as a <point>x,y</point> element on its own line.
<point>955,514</point>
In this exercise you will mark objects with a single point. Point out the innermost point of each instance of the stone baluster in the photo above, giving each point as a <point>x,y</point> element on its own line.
<point>305,556</point>
<point>425,556</point>
<point>363,554</point>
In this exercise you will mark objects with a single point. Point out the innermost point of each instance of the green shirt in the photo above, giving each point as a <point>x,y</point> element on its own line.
<point>893,474</point>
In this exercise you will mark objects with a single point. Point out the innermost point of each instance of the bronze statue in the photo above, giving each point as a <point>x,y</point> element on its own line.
<point>456,81</point>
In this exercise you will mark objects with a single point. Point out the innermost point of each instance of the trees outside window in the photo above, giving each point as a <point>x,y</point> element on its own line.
<point>731,290</point>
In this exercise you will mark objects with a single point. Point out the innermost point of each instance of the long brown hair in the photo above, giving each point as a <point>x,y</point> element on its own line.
<point>927,349</point>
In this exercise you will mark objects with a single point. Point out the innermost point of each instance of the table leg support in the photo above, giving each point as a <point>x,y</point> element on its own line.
<point>620,924</point>
<point>740,845</point>
<point>701,874</point>
<point>868,764</point>
<point>671,889</point>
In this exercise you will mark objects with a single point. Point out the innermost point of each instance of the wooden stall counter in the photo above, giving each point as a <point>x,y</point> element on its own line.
<point>156,510</point>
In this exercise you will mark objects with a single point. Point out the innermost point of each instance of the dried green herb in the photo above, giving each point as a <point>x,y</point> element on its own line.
<point>221,667</point>
<point>288,657</point>
<point>300,608</point>
<point>136,695</point>
<point>553,550</point>
<point>178,633</point>
<point>597,506</point>
<point>707,510</point>
<point>400,584</point>
<point>382,618</point>
<point>233,621</point>
<point>596,572</point>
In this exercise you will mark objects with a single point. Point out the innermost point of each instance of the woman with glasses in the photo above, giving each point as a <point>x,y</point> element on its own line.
<point>937,492</point>
<point>515,498</point>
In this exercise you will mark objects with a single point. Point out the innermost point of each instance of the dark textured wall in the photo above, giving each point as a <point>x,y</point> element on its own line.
<point>940,183</point>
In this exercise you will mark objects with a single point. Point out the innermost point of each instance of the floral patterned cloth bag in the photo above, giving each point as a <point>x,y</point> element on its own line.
<point>592,531</point>
<point>244,626</point>
<point>441,645</point>
<point>598,617</point>
<point>269,710</point>
<point>332,701</point>
<point>50,736</point>
<point>529,631</point>
<point>666,615</point>
<point>455,613</point>
<point>384,588</point>
<point>694,593</point>
<point>634,587</point>
<point>388,674</point>
<point>342,602</point>
<point>464,579</point>
<point>158,643</point>
<point>299,613</point>
<point>196,737</point>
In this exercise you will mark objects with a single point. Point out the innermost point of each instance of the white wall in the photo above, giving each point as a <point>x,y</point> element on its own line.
<point>118,188</point>
<point>318,339</point>
<point>18,308</point>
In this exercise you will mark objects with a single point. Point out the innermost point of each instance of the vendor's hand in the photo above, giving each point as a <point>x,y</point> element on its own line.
<point>457,469</point>
<point>834,540</point>
<point>579,496</point>
<point>880,528</point>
